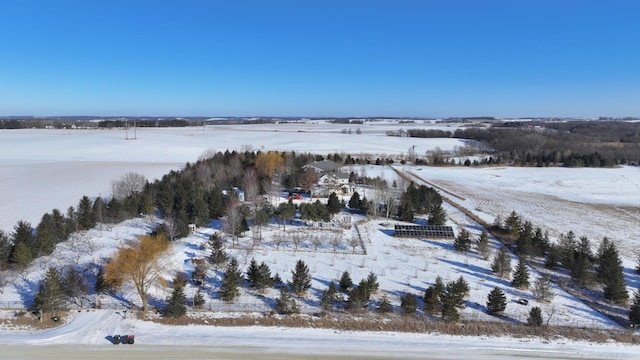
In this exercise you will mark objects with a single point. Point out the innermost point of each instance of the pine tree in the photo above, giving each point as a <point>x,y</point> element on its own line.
<point>300,280</point>
<point>285,303</point>
<point>177,303</point>
<point>368,286</point>
<point>231,280</point>
<point>453,298</point>
<point>356,301</point>
<point>252,272</point>
<point>432,296</point>
<point>462,242</point>
<point>263,279</point>
<point>502,263</point>
<point>610,272</point>
<point>218,255</point>
<point>535,317</point>
<point>521,276</point>
<point>385,306</point>
<point>581,264</point>
<point>437,215</point>
<point>86,219</point>
<point>345,282</point>
<point>277,281</point>
<point>483,245</point>
<point>50,296</point>
<point>409,304</point>
<point>634,311</point>
<point>333,204</point>
<point>101,285</point>
<point>496,301</point>
<point>198,300</point>
<point>542,289</point>
<point>326,301</point>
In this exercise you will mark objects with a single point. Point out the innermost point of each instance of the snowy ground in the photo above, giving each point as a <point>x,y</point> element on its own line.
<point>57,167</point>
<point>89,334</point>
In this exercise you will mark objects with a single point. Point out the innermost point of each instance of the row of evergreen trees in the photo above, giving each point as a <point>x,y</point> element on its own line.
<point>585,268</point>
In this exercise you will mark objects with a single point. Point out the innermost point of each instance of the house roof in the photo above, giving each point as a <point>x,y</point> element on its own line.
<point>324,165</point>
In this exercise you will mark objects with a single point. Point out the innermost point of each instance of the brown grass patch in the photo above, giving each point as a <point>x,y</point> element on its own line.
<point>411,324</point>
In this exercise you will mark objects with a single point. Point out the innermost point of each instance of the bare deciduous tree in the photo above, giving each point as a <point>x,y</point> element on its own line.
<point>250,185</point>
<point>128,184</point>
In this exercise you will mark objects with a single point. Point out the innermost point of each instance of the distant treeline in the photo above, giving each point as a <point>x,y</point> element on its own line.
<point>573,144</point>
<point>540,143</point>
<point>143,123</point>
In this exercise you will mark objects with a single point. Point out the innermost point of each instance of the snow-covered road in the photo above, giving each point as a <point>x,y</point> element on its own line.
<point>88,335</point>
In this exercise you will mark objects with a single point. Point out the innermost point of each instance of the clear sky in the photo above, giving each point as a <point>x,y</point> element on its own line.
<point>507,58</point>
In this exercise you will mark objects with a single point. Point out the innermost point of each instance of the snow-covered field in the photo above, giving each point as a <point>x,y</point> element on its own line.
<point>46,169</point>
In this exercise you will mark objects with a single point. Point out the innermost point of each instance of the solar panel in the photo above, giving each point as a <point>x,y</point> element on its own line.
<point>428,231</point>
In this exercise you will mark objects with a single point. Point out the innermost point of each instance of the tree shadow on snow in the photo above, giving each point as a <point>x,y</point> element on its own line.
<point>27,290</point>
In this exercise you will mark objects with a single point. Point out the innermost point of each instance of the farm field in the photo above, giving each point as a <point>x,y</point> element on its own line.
<point>56,168</point>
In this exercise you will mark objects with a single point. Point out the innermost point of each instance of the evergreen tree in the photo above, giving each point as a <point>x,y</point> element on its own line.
<point>567,245</point>
<point>326,301</point>
<point>333,204</point>
<point>409,304</point>
<point>277,281</point>
<point>496,301</point>
<point>368,286</point>
<point>252,272</point>
<point>5,248</point>
<point>512,224</point>
<point>483,245</point>
<point>50,296</point>
<point>634,311</point>
<point>345,282</point>
<point>86,219</point>
<point>354,201</point>
<point>300,280</point>
<point>535,317</point>
<point>524,242</point>
<point>502,263</point>
<point>23,241</point>
<point>610,272</point>
<point>231,280</point>
<point>21,255</point>
<point>285,303</point>
<point>462,242</point>
<point>198,300</point>
<point>385,306</point>
<point>356,300</point>
<point>542,289</point>
<point>101,285</point>
<point>177,303</point>
<point>453,298</point>
<point>521,276</point>
<point>218,255</point>
<point>437,215</point>
<point>432,296</point>
<point>263,280</point>
<point>581,264</point>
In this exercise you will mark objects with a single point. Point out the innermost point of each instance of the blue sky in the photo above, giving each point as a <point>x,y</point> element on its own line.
<point>320,58</point>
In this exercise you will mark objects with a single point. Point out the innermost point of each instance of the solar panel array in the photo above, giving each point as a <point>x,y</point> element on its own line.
<point>425,231</point>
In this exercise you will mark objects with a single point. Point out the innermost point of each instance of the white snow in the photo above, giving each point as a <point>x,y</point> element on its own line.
<point>46,169</point>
